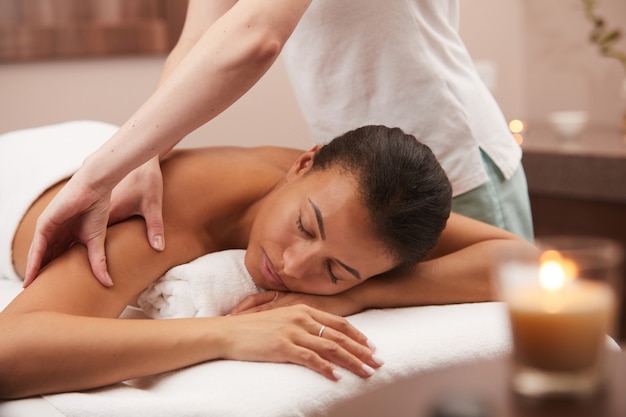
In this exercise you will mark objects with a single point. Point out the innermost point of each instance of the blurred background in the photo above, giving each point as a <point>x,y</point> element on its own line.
<point>99,59</point>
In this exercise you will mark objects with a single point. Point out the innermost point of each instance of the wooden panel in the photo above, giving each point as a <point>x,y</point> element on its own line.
<point>46,29</point>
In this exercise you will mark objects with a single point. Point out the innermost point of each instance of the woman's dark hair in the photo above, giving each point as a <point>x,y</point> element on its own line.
<point>405,189</point>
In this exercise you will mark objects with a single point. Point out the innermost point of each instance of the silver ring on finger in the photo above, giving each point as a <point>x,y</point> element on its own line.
<point>321,331</point>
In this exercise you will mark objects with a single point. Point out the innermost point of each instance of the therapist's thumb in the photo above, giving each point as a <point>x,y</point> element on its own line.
<point>154,226</point>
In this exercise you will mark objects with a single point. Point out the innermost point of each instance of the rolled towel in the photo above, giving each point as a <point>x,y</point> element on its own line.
<point>208,286</point>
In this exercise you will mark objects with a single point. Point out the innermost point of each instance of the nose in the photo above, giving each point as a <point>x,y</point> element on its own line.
<point>298,260</point>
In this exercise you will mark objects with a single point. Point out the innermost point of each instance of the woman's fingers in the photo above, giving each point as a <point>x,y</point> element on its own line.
<point>336,347</point>
<point>337,304</point>
<point>256,302</point>
<point>294,334</point>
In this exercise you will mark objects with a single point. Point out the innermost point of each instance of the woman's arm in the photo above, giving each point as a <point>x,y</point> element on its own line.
<point>62,334</point>
<point>457,271</point>
<point>48,352</point>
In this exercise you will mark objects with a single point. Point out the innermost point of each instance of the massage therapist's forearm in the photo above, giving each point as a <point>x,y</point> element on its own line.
<point>98,351</point>
<point>229,58</point>
<point>201,15</point>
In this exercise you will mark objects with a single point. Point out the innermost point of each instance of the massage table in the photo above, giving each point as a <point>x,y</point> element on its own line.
<point>410,340</point>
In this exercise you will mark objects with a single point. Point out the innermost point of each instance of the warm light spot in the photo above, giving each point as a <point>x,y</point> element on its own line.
<point>516,126</point>
<point>551,276</point>
<point>550,255</point>
<point>556,270</point>
<point>518,138</point>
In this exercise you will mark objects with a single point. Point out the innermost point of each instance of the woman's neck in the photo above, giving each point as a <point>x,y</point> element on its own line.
<point>225,187</point>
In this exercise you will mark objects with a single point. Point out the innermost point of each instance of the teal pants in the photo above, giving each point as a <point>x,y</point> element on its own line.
<point>500,202</point>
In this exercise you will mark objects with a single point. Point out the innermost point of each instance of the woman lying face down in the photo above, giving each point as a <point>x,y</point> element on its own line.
<point>372,202</point>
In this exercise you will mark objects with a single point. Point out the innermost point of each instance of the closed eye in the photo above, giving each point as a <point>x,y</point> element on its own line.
<point>333,278</point>
<point>301,227</point>
<point>320,223</point>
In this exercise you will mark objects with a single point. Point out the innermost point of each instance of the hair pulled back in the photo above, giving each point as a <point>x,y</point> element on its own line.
<point>404,188</point>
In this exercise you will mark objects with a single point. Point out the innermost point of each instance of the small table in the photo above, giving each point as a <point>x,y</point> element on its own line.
<point>484,382</point>
<point>577,187</point>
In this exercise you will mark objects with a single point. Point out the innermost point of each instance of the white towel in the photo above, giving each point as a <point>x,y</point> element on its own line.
<point>208,286</point>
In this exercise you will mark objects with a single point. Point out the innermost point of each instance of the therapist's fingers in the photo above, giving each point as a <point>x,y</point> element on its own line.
<point>35,258</point>
<point>141,193</point>
<point>78,213</point>
<point>98,260</point>
<point>49,240</point>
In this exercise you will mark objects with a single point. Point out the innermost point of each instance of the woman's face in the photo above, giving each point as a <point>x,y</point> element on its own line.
<point>313,235</point>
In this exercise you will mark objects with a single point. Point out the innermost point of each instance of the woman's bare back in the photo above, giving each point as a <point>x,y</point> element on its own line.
<point>209,200</point>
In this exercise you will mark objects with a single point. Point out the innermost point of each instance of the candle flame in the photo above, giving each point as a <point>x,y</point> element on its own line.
<point>555,270</point>
<point>551,276</point>
<point>516,126</point>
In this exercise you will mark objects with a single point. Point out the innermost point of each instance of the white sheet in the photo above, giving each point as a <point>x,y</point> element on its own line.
<point>30,163</point>
<point>410,340</point>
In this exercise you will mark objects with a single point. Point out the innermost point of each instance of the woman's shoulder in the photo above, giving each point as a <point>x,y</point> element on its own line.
<point>217,185</point>
<point>230,172</point>
<point>233,157</point>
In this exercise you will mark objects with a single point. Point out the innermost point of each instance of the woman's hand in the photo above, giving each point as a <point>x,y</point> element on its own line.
<point>77,213</point>
<point>141,193</point>
<point>341,304</point>
<point>302,335</point>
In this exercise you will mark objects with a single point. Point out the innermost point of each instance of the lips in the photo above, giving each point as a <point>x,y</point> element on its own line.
<point>270,275</point>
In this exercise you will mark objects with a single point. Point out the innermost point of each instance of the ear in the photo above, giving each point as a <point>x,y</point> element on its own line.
<point>303,164</point>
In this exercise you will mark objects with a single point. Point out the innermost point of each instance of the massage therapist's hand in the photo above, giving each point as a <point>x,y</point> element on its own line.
<point>341,304</point>
<point>78,213</point>
<point>141,193</point>
<point>301,335</point>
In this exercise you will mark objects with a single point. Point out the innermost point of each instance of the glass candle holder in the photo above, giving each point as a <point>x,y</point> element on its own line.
<point>562,303</point>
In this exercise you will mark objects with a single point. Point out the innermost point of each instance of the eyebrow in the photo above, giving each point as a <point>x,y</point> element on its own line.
<point>320,219</point>
<point>320,225</point>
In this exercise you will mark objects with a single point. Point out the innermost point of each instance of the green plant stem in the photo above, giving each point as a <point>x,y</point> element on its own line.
<point>604,38</point>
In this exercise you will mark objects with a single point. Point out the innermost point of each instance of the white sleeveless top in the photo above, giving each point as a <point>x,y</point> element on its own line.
<point>400,63</point>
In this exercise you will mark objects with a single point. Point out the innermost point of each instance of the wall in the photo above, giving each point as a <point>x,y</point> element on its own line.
<point>111,89</point>
<point>564,70</point>
<point>494,32</point>
<point>543,58</point>
<point>539,49</point>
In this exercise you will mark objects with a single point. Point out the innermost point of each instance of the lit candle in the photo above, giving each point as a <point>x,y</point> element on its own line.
<point>559,322</point>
